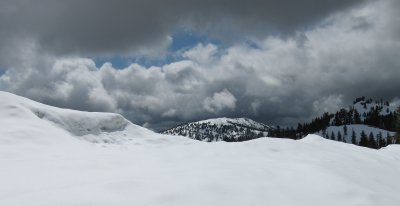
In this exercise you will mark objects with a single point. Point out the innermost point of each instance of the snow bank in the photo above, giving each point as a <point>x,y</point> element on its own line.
<point>82,123</point>
<point>76,122</point>
<point>313,138</point>
<point>21,114</point>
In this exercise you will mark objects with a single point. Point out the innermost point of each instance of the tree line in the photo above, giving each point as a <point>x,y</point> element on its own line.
<point>210,132</point>
<point>373,117</point>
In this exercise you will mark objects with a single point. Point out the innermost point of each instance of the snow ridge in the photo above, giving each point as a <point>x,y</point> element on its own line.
<point>79,125</point>
<point>63,123</point>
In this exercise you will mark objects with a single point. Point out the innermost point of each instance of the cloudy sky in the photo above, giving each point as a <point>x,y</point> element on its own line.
<point>164,62</point>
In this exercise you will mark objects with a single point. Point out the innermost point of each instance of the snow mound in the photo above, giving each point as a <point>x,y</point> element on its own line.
<point>83,123</point>
<point>23,114</point>
<point>311,138</point>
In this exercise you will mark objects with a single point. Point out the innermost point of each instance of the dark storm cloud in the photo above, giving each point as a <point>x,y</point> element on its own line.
<point>110,27</point>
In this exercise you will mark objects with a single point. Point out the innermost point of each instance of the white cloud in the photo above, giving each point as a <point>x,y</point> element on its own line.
<point>219,101</point>
<point>202,54</point>
<point>328,104</point>
<point>169,113</point>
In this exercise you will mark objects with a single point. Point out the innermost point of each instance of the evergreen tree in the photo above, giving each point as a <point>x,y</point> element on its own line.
<point>382,143</point>
<point>353,137</point>
<point>357,117</point>
<point>339,136</point>
<point>380,140</point>
<point>372,142</point>
<point>345,130</point>
<point>388,139</point>
<point>363,140</point>
<point>397,126</point>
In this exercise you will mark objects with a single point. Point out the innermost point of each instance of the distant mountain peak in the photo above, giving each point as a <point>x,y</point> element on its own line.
<point>221,129</point>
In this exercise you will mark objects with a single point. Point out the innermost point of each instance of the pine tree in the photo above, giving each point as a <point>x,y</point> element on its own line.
<point>339,136</point>
<point>380,140</point>
<point>345,130</point>
<point>353,137</point>
<point>333,136</point>
<point>382,143</point>
<point>388,139</point>
<point>357,117</point>
<point>372,142</point>
<point>363,140</point>
<point>397,126</point>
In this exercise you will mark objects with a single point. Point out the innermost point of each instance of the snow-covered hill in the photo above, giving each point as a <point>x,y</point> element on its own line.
<point>226,129</point>
<point>51,156</point>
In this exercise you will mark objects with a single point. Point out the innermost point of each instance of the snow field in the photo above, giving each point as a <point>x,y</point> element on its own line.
<point>44,161</point>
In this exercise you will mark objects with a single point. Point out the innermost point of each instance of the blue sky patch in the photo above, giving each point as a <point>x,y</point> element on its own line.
<point>118,62</point>
<point>2,71</point>
<point>182,40</point>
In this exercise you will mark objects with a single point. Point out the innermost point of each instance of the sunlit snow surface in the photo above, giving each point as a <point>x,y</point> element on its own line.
<point>50,156</point>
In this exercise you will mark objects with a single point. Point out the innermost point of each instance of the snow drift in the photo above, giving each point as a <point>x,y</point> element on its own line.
<point>51,156</point>
<point>29,119</point>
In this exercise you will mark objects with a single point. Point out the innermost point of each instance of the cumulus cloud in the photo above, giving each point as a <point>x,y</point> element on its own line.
<point>277,80</point>
<point>202,54</point>
<point>219,101</point>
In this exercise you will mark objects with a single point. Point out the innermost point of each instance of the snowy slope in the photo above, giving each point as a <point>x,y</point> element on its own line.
<point>365,107</point>
<point>45,163</point>
<point>386,109</point>
<point>357,128</point>
<point>238,121</point>
<point>226,129</point>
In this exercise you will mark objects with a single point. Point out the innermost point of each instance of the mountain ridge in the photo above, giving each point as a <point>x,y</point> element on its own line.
<point>221,129</point>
